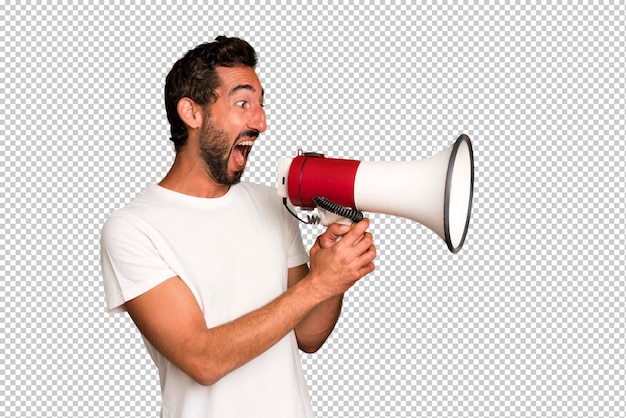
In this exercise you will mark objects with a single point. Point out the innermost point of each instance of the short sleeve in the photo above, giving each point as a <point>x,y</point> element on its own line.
<point>130,262</point>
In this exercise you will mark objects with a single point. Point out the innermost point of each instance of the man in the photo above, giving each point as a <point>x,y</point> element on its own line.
<point>213,270</point>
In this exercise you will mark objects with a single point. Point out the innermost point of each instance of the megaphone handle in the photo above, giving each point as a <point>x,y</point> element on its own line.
<point>327,218</point>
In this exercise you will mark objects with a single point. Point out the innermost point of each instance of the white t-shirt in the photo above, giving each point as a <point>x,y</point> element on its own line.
<point>233,252</point>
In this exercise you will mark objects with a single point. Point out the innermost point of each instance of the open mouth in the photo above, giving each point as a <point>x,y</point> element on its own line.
<point>241,152</point>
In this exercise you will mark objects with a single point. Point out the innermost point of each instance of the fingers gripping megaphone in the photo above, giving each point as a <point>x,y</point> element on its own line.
<point>436,192</point>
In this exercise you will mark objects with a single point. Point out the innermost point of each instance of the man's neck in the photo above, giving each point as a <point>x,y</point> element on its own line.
<point>189,177</point>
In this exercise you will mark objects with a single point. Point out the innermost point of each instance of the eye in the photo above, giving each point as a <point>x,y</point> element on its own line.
<point>240,103</point>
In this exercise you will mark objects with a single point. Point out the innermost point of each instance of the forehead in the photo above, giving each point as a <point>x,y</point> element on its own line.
<point>237,78</point>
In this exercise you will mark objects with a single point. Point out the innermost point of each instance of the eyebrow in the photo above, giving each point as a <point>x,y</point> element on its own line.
<point>245,87</point>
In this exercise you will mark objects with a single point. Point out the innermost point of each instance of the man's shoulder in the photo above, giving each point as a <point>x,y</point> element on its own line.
<point>259,191</point>
<point>135,209</point>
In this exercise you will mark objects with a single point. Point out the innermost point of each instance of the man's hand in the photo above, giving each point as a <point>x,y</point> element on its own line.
<point>336,266</point>
<point>333,233</point>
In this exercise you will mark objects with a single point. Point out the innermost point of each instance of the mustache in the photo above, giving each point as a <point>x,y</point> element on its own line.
<point>248,133</point>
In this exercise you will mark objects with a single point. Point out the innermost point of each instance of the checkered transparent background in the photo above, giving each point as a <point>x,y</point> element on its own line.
<point>528,320</point>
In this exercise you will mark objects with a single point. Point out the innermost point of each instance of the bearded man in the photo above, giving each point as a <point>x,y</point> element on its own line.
<point>212,270</point>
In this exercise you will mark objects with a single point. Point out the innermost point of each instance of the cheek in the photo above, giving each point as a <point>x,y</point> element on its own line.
<point>233,124</point>
<point>230,121</point>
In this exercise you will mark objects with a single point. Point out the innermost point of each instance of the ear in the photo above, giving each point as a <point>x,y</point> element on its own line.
<point>190,112</point>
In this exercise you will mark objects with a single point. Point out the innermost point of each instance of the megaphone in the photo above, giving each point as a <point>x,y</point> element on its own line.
<point>436,192</point>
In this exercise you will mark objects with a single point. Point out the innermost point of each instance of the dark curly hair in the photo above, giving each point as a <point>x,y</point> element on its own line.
<point>194,76</point>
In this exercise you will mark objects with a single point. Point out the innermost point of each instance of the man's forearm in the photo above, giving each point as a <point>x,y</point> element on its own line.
<point>317,326</point>
<point>229,346</point>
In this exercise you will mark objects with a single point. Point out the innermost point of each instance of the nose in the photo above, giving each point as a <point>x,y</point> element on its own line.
<point>257,120</point>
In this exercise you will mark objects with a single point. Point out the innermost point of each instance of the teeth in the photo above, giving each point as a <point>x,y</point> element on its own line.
<point>246,143</point>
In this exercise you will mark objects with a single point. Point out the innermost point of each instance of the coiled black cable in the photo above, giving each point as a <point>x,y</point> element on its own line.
<point>354,215</point>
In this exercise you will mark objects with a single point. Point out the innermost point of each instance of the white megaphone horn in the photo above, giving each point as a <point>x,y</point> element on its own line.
<point>436,191</point>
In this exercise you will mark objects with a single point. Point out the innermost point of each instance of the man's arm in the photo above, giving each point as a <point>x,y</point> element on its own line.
<point>317,326</point>
<point>319,323</point>
<point>170,318</point>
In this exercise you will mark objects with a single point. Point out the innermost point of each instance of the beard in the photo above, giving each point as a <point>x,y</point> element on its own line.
<point>215,151</point>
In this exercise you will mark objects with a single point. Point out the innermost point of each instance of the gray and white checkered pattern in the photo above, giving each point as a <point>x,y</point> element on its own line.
<point>528,320</point>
